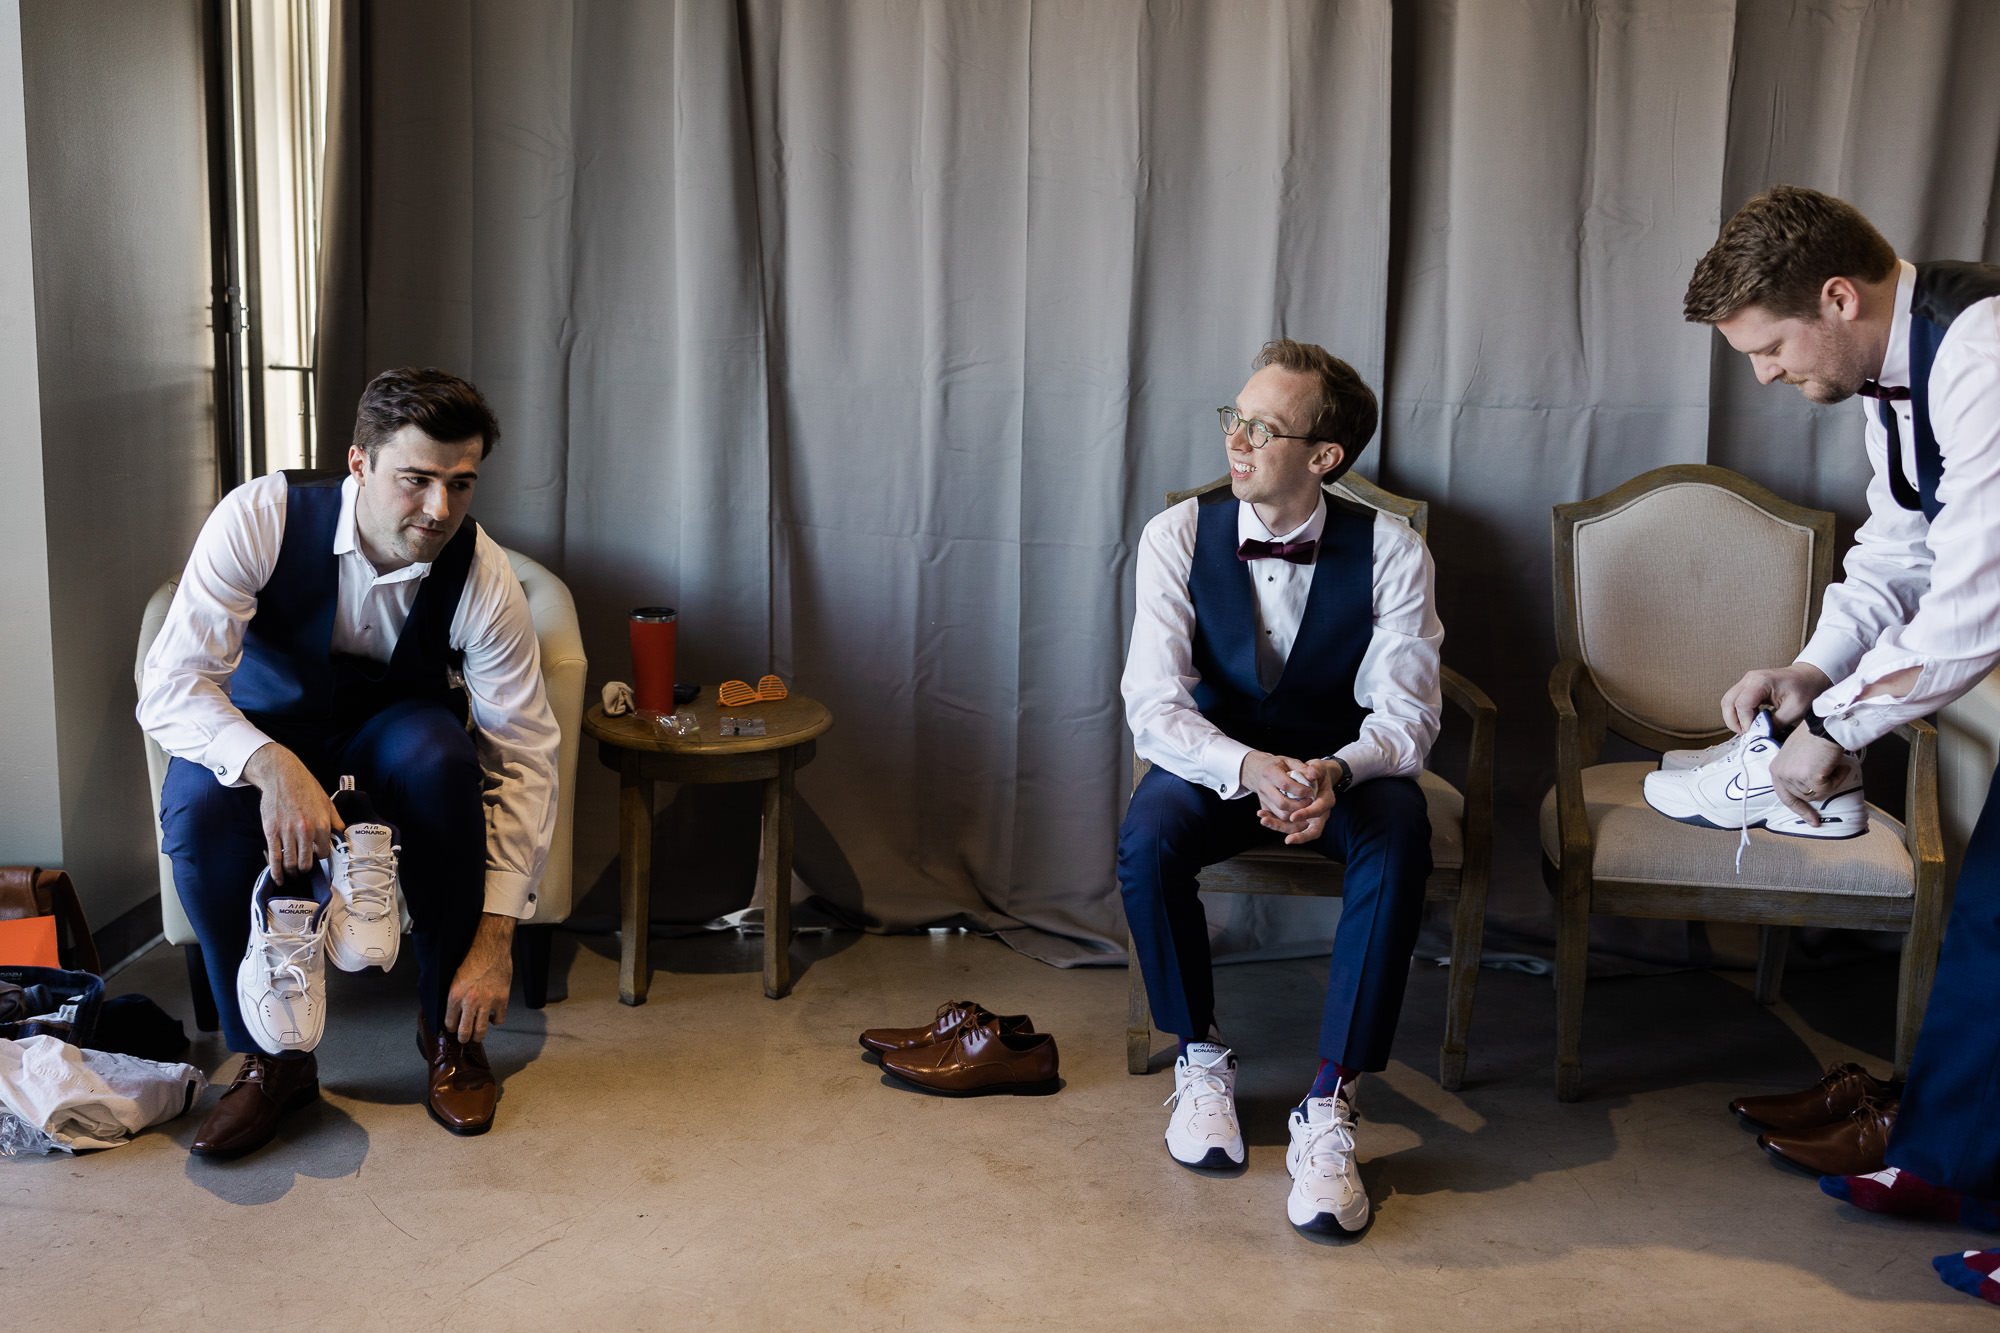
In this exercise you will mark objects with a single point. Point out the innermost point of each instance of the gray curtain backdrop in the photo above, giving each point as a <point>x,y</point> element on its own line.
<point>870,334</point>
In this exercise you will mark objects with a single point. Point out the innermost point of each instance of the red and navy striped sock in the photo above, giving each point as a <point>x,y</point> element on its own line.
<point>1901,1194</point>
<point>1972,1272</point>
<point>1329,1078</point>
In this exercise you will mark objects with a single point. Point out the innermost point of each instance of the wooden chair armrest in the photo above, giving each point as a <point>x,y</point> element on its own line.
<point>1923,834</point>
<point>1576,747</point>
<point>1478,706</point>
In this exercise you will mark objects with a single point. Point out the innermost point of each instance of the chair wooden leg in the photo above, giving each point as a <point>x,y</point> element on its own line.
<point>1139,1016</point>
<point>1468,935</point>
<point>1572,968</point>
<point>1772,942</point>
<point>1913,991</point>
<point>531,961</point>
<point>205,1017</point>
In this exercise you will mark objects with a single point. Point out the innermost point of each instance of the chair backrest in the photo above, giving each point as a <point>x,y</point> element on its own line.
<point>1671,586</point>
<point>564,669</point>
<point>1416,513</point>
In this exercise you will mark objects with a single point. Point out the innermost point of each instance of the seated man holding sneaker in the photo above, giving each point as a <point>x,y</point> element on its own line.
<point>355,630</point>
<point>1283,681</point>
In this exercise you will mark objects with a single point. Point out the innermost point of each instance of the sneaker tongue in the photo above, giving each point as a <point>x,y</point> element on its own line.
<point>1208,1053</point>
<point>289,916</point>
<point>369,840</point>
<point>1319,1110</point>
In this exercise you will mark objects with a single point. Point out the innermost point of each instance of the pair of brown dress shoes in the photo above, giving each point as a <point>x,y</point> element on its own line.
<point>460,1093</point>
<point>968,1051</point>
<point>1837,1127</point>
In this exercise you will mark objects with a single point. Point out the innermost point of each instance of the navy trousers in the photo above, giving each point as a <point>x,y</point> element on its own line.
<point>1948,1129</point>
<point>420,768</point>
<point>1380,830</point>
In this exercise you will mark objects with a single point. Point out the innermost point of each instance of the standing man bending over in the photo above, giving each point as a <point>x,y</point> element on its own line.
<point>1285,649</point>
<point>323,629</point>
<point>1815,297</point>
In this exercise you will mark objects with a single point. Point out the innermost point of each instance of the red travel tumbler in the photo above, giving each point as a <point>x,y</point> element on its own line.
<point>654,629</point>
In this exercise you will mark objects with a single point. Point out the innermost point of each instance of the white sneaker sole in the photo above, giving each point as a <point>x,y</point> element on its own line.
<point>1217,1158</point>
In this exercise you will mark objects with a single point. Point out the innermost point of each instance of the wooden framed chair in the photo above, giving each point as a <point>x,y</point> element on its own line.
<point>563,670</point>
<point>1667,589</point>
<point>1461,839</point>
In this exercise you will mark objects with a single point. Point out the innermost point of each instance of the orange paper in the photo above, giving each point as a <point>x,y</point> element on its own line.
<point>29,942</point>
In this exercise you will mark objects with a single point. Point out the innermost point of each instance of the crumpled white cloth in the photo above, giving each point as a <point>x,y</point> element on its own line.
<point>617,696</point>
<point>91,1099</point>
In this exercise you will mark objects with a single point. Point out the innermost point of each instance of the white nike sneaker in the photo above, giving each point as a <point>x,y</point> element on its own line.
<point>364,924</point>
<point>1327,1198</point>
<point>281,982</point>
<point>1203,1131</point>
<point>1734,791</point>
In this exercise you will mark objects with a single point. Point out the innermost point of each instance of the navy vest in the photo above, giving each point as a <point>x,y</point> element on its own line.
<point>1311,711</point>
<point>290,682</point>
<point>1943,292</point>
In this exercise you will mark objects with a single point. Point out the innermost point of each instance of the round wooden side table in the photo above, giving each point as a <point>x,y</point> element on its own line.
<point>642,754</point>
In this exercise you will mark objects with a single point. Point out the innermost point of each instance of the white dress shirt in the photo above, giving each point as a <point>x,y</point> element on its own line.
<point>1397,681</point>
<point>1917,592</point>
<point>184,703</point>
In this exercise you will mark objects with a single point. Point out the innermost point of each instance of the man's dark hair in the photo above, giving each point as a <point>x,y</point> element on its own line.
<point>1778,252</point>
<point>436,402</point>
<point>1347,412</point>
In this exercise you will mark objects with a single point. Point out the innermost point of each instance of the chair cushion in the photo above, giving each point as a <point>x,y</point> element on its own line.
<point>1638,844</point>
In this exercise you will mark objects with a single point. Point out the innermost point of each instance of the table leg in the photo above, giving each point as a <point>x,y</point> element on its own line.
<point>635,864</point>
<point>777,877</point>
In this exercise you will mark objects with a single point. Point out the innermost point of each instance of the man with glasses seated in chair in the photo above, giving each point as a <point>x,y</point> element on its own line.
<point>1283,681</point>
<point>356,626</point>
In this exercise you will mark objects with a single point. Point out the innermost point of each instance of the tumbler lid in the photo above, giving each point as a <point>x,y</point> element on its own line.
<point>656,613</point>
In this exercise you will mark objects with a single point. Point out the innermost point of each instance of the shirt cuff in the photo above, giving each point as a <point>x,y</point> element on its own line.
<point>1222,763</point>
<point>1363,760</point>
<point>510,893</point>
<point>231,750</point>
<point>1835,655</point>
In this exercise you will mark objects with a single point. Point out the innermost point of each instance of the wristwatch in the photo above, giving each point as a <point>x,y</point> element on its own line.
<point>1817,726</point>
<point>1346,773</point>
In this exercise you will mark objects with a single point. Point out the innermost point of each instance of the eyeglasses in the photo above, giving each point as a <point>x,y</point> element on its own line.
<point>1260,433</point>
<point>734,693</point>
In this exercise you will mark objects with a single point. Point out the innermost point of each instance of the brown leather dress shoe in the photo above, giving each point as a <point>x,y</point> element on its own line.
<point>461,1092</point>
<point>1849,1147</point>
<point>980,1058</point>
<point>950,1016</point>
<point>265,1091</point>
<point>1826,1102</point>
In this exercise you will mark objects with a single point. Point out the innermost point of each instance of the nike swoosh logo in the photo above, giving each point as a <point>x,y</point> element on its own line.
<point>1735,792</point>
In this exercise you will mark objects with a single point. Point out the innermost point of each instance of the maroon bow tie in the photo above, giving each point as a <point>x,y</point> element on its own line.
<point>1299,553</point>
<point>1892,393</point>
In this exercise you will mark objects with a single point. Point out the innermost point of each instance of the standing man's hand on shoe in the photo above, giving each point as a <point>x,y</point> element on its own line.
<point>1806,770</point>
<point>1787,691</point>
<point>478,997</point>
<point>1305,817</point>
<point>299,818</point>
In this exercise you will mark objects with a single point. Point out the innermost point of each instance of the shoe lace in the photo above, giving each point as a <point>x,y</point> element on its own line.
<point>289,956</point>
<point>371,882</point>
<point>1330,1144</point>
<point>1742,803</point>
<point>1202,1085</point>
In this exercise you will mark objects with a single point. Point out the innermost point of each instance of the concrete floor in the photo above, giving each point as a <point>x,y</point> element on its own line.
<point>715,1159</point>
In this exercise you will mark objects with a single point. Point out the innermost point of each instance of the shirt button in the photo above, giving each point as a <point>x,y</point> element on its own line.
<point>221,770</point>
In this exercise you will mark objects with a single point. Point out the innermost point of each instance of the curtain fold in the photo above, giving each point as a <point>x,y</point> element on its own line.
<point>870,334</point>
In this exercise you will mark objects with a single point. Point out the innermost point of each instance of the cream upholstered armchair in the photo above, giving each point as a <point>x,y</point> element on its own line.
<point>1667,589</point>
<point>563,668</point>
<point>1461,840</point>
